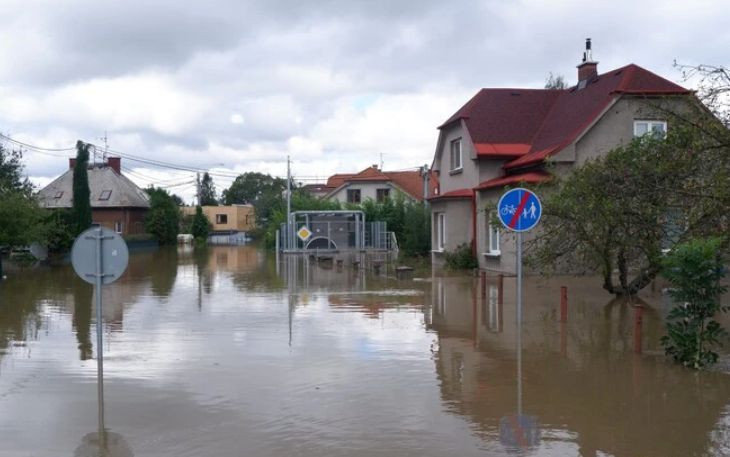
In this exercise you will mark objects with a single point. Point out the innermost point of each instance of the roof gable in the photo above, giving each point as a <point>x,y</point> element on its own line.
<point>532,124</point>
<point>107,190</point>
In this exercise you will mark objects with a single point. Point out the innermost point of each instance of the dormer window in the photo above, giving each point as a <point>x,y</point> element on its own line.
<point>105,194</point>
<point>642,127</point>
<point>456,155</point>
<point>59,194</point>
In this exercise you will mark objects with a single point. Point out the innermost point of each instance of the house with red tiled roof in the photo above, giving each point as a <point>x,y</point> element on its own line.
<point>507,137</point>
<point>373,183</point>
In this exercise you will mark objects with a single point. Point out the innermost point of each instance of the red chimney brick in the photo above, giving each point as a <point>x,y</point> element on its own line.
<point>587,70</point>
<point>115,163</point>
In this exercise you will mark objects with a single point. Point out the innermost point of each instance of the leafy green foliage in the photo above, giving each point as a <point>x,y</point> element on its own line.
<point>81,193</point>
<point>695,269</point>
<point>200,227</point>
<point>11,173</point>
<point>410,221</point>
<point>207,191</point>
<point>163,217</point>
<point>264,192</point>
<point>300,201</point>
<point>21,220</point>
<point>617,212</point>
<point>461,258</point>
<point>60,230</point>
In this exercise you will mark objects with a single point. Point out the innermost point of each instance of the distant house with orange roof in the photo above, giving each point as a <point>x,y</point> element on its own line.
<point>373,183</point>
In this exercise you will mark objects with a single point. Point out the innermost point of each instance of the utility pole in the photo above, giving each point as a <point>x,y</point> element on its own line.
<point>288,201</point>
<point>197,186</point>
<point>381,160</point>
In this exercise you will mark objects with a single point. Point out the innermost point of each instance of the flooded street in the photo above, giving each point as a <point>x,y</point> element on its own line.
<point>222,352</point>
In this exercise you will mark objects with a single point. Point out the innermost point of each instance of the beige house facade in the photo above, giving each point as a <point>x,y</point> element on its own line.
<point>231,218</point>
<point>504,138</point>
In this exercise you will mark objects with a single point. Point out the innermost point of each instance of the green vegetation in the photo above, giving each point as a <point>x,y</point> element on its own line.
<point>207,191</point>
<point>22,222</point>
<point>200,227</point>
<point>81,193</point>
<point>410,221</point>
<point>618,212</point>
<point>163,218</point>
<point>264,192</point>
<point>695,269</point>
<point>300,201</point>
<point>461,258</point>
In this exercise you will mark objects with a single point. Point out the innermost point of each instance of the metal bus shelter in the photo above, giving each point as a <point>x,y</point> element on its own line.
<point>333,231</point>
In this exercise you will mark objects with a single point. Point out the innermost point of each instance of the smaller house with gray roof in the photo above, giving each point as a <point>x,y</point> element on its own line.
<point>116,202</point>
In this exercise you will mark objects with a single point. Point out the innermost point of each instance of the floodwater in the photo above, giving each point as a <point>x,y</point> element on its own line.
<point>221,352</point>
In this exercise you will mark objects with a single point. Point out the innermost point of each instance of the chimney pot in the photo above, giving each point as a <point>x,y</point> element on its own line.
<point>588,68</point>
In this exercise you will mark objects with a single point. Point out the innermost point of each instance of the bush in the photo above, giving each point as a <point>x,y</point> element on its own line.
<point>461,258</point>
<point>694,269</point>
<point>200,227</point>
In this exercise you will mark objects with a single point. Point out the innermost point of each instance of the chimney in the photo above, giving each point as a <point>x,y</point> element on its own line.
<point>115,163</point>
<point>72,163</point>
<point>588,68</point>
<point>375,165</point>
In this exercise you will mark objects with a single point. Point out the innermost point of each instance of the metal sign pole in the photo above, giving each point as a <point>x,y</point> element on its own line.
<point>519,323</point>
<point>99,336</point>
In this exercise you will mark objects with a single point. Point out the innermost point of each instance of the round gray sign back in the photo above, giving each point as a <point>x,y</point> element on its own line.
<point>114,255</point>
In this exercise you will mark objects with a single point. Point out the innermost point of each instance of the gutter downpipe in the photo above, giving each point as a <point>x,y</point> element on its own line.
<point>474,222</point>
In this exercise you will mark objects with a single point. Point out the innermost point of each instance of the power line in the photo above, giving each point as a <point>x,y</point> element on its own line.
<point>37,148</point>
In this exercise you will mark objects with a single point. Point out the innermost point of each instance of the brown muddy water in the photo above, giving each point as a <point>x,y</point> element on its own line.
<point>220,353</point>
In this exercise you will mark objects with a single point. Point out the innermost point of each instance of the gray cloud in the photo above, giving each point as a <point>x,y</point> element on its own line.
<point>334,83</point>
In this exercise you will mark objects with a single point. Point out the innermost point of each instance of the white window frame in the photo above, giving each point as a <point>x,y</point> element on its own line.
<point>493,231</point>
<point>453,166</point>
<point>440,232</point>
<point>649,124</point>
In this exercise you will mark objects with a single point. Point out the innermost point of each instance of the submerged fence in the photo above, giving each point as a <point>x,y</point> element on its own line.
<point>334,231</point>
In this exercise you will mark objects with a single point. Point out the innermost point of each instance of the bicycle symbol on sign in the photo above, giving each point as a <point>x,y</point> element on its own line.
<point>508,209</point>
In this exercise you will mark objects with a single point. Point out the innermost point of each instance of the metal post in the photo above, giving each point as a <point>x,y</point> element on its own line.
<point>288,193</point>
<point>99,343</point>
<point>519,323</point>
<point>638,322</point>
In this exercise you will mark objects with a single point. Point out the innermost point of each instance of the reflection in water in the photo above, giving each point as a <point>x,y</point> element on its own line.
<point>211,352</point>
<point>112,445</point>
<point>581,378</point>
<point>82,307</point>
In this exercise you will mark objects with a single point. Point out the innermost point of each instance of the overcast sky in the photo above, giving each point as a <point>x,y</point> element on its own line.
<point>238,85</point>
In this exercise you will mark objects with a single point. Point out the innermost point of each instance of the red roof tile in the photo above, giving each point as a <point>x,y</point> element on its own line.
<point>410,181</point>
<point>454,194</point>
<point>530,178</point>
<point>532,124</point>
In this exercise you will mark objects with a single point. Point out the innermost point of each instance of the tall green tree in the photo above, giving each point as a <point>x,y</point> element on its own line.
<point>264,192</point>
<point>618,213</point>
<point>208,195</point>
<point>81,193</point>
<point>21,219</point>
<point>163,217</point>
<point>200,227</point>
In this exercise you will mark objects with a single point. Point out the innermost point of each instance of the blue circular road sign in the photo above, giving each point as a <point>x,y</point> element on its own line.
<point>519,210</point>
